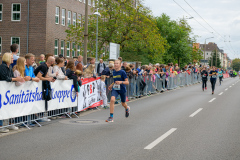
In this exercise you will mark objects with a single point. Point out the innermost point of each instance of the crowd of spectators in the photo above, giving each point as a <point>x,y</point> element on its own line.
<point>48,69</point>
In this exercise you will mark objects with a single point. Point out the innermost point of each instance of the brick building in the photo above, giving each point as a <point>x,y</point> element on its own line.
<point>38,26</point>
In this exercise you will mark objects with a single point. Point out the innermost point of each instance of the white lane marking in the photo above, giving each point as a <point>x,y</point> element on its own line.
<point>220,93</point>
<point>196,112</point>
<point>230,86</point>
<point>160,139</point>
<point>212,100</point>
<point>226,89</point>
<point>233,84</point>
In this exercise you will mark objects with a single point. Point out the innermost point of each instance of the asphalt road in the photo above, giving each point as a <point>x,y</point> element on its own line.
<point>184,124</point>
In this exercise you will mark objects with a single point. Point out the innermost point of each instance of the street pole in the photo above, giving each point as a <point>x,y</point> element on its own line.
<point>97,39</point>
<point>216,56</point>
<point>205,52</point>
<point>85,33</point>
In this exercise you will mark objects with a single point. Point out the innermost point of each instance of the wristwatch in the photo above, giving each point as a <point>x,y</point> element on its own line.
<point>31,79</point>
<point>122,82</point>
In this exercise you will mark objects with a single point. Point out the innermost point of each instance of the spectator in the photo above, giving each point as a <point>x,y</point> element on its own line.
<point>42,59</point>
<point>108,71</point>
<point>58,71</point>
<point>6,74</point>
<point>70,73</point>
<point>124,66</point>
<point>49,55</point>
<point>30,59</point>
<point>120,58</point>
<point>79,64</point>
<point>100,67</point>
<point>132,67</point>
<point>92,61</point>
<point>19,70</point>
<point>89,72</point>
<point>42,73</point>
<point>63,68</point>
<point>103,91</point>
<point>14,50</point>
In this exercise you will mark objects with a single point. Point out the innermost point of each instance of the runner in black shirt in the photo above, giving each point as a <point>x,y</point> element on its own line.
<point>204,75</point>
<point>213,73</point>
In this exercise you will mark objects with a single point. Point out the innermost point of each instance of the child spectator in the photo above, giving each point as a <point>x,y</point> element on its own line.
<point>57,71</point>
<point>42,59</point>
<point>70,72</point>
<point>19,70</point>
<point>103,94</point>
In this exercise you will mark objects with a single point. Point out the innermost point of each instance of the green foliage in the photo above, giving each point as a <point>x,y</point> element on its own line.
<point>236,64</point>
<point>133,28</point>
<point>213,58</point>
<point>180,48</point>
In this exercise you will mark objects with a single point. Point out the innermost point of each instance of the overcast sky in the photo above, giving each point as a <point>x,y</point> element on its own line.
<point>222,15</point>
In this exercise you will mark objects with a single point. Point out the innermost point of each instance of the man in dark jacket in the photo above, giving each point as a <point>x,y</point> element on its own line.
<point>100,67</point>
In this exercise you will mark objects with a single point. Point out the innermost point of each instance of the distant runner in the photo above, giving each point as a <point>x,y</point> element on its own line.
<point>213,73</point>
<point>118,88</point>
<point>204,75</point>
<point>220,75</point>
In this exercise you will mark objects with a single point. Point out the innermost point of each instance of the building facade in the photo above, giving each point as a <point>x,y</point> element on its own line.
<point>38,26</point>
<point>209,49</point>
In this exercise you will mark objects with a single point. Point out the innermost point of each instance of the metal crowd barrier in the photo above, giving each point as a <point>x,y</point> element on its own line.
<point>139,85</point>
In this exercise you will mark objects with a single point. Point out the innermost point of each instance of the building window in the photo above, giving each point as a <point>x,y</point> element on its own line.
<point>73,49</point>
<point>80,0</point>
<point>79,21</point>
<point>1,8</point>
<point>68,49</point>
<point>16,40</point>
<point>93,3</point>
<point>78,50</point>
<point>89,2</point>
<point>56,47</point>
<point>16,12</point>
<point>62,47</point>
<point>63,16</point>
<point>74,19</point>
<point>69,18</point>
<point>57,15</point>
<point>84,1</point>
<point>0,45</point>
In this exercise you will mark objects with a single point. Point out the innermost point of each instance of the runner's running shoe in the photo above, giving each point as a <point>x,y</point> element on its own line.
<point>110,119</point>
<point>205,88</point>
<point>127,112</point>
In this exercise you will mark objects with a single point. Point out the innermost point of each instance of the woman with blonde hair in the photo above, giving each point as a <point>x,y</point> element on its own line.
<point>6,74</point>
<point>19,70</point>
<point>88,73</point>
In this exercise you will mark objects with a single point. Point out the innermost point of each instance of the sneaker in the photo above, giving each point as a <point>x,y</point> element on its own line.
<point>13,128</point>
<point>45,119</point>
<point>205,88</point>
<point>127,112</point>
<point>106,107</point>
<point>212,92</point>
<point>110,119</point>
<point>4,130</point>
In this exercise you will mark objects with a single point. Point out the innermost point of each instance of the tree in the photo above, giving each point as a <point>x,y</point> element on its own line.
<point>213,58</point>
<point>133,28</point>
<point>178,38</point>
<point>236,64</point>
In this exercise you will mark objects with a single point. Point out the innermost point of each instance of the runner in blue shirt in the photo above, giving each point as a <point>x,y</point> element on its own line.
<point>213,74</point>
<point>220,75</point>
<point>118,88</point>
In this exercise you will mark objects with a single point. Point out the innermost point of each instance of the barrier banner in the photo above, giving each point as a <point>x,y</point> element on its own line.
<point>21,100</point>
<point>89,95</point>
<point>63,95</point>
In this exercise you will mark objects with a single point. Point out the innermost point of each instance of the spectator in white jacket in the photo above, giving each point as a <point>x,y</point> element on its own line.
<point>56,71</point>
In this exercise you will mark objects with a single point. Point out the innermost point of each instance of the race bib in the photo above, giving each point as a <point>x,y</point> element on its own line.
<point>214,76</point>
<point>116,86</point>
<point>203,76</point>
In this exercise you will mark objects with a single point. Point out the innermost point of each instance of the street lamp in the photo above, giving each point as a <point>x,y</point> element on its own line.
<point>97,14</point>
<point>205,49</point>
